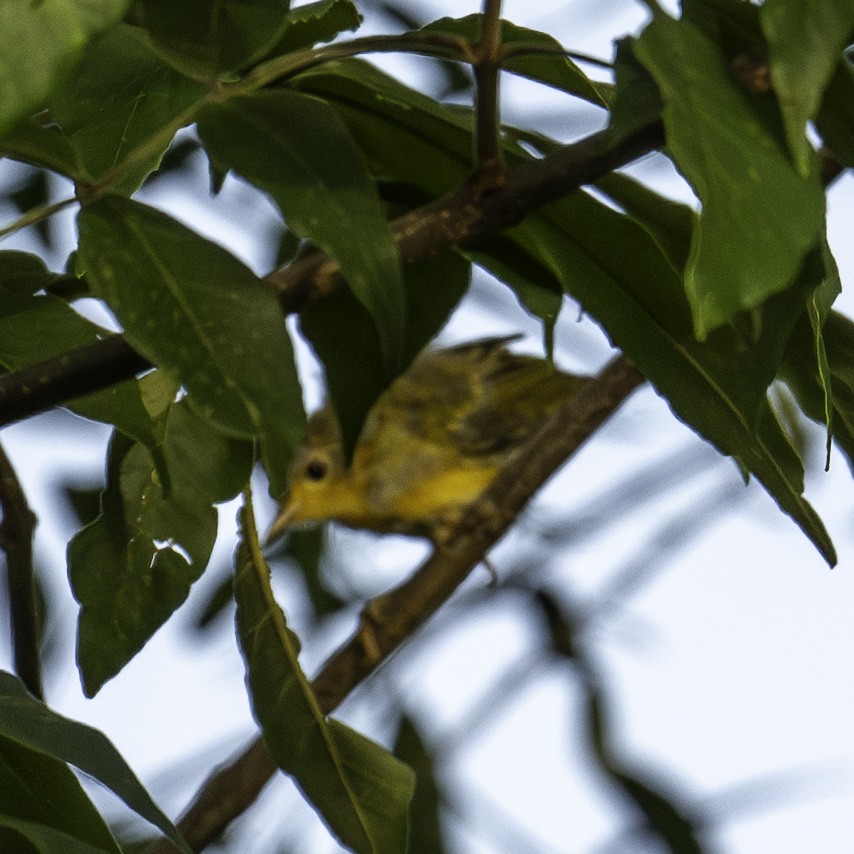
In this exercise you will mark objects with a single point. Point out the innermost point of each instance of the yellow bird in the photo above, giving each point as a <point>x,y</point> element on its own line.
<point>432,442</point>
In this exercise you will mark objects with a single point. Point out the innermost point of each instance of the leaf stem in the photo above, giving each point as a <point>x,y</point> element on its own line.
<point>438,45</point>
<point>35,215</point>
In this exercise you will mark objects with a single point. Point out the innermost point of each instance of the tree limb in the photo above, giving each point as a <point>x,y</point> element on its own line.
<point>464,213</point>
<point>391,618</point>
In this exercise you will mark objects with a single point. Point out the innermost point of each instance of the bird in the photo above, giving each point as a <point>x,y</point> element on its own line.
<point>431,444</point>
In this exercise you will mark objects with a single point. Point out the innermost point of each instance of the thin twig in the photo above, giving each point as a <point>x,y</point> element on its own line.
<point>391,618</point>
<point>16,539</point>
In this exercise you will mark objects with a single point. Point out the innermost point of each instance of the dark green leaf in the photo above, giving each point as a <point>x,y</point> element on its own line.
<point>32,725</point>
<point>217,601</point>
<point>306,550</point>
<point>27,837</point>
<point>317,22</point>
<point>667,222</point>
<point>41,44</point>
<point>31,142</point>
<point>119,96</point>
<point>39,788</point>
<point>298,149</point>
<point>546,62</point>
<point>838,338</point>
<point>23,273</point>
<point>618,274</point>
<point>805,41</point>
<point>536,287</point>
<point>425,835</point>
<point>760,217</point>
<point>85,501</point>
<point>637,101</point>
<point>33,328</point>
<point>835,119</point>
<point>201,315</point>
<point>176,161</point>
<point>802,374</point>
<point>819,306</point>
<point>134,565</point>
<point>404,134</point>
<point>361,791</point>
<point>206,38</point>
<point>355,372</point>
<point>457,77</point>
<point>732,24</point>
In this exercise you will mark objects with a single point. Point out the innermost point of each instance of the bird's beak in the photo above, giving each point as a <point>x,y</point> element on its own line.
<point>281,523</point>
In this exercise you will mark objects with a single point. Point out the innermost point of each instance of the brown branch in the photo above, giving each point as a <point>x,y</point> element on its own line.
<point>16,539</point>
<point>487,110</point>
<point>464,213</point>
<point>391,618</point>
<point>71,374</point>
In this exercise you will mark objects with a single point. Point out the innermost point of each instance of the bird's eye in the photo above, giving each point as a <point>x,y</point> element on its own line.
<point>316,469</point>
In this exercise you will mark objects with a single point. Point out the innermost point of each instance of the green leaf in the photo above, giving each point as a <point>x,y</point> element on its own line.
<point>33,143</point>
<point>24,837</point>
<point>835,118</point>
<point>32,725</point>
<point>206,38</point>
<point>425,836</point>
<point>838,339</point>
<point>317,22</point>
<point>360,790</point>
<point>306,549</point>
<point>546,62</point>
<point>637,100</point>
<point>355,374</point>
<point>134,565</point>
<point>23,273</point>
<point>803,373</point>
<point>298,149</point>
<point>805,42</point>
<point>197,312</point>
<point>33,328</point>
<point>760,217</point>
<point>619,275</point>
<point>118,98</point>
<point>819,305</point>
<point>668,223</point>
<point>40,789</point>
<point>537,289</point>
<point>403,133</point>
<point>41,44</point>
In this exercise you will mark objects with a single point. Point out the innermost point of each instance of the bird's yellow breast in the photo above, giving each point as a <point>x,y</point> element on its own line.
<point>414,508</point>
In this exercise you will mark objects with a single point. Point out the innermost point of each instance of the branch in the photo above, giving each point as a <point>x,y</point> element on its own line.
<point>391,618</point>
<point>462,214</point>
<point>487,72</point>
<point>16,539</point>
